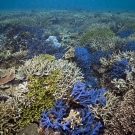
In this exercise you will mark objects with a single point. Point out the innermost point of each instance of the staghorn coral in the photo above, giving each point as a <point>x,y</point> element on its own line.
<point>106,62</point>
<point>125,33</point>
<point>69,54</point>
<point>121,68</point>
<point>76,122</point>
<point>9,115</point>
<point>130,46</point>
<point>123,121</point>
<point>40,96</point>
<point>85,97</point>
<point>118,68</point>
<point>106,111</point>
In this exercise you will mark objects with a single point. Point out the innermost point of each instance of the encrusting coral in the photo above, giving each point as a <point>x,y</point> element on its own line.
<point>6,76</point>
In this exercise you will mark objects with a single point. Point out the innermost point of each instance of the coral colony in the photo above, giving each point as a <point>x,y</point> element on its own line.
<point>70,74</point>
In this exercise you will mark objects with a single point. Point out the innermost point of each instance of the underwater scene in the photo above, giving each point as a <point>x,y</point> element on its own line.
<point>67,67</point>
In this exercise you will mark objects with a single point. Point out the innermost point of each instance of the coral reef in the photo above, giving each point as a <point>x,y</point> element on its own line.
<point>106,112</point>
<point>85,97</point>
<point>74,72</point>
<point>130,46</point>
<point>78,122</point>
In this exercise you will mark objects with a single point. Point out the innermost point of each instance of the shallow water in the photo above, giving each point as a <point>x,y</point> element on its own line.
<point>88,41</point>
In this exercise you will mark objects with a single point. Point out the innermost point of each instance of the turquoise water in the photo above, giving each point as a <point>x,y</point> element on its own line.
<point>69,4</point>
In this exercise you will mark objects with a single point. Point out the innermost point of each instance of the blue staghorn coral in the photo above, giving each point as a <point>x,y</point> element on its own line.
<point>85,97</point>
<point>33,39</point>
<point>82,58</point>
<point>125,33</point>
<point>130,46</point>
<point>118,68</point>
<point>56,118</point>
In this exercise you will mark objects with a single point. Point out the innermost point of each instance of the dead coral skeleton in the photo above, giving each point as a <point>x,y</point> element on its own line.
<point>74,117</point>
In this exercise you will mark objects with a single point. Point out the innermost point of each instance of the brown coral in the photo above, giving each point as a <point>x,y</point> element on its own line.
<point>123,122</point>
<point>7,76</point>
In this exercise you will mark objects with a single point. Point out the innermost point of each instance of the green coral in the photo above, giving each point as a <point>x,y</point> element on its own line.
<point>41,89</point>
<point>95,33</point>
<point>44,57</point>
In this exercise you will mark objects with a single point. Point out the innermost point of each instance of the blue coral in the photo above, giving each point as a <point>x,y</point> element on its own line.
<point>118,68</point>
<point>58,111</point>
<point>34,40</point>
<point>125,33</point>
<point>95,56</point>
<point>88,126</point>
<point>130,46</point>
<point>82,58</point>
<point>91,82</point>
<point>85,97</point>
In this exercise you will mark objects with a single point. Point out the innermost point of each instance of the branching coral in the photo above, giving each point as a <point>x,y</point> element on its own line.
<point>44,66</point>
<point>106,111</point>
<point>94,33</point>
<point>82,58</point>
<point>125,33</point>
<point>99,39</point>
<point>85,97</point>
<point>40,94</point>
<point>121,67</point>
<point>82,122</point>
<point>118,68</point>
<point>129,55</point>
<point>130,46</point>
<point>9,116</point>
<point>123,120</point>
